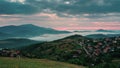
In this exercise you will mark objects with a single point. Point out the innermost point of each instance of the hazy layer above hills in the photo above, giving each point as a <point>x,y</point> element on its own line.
<point>51,37</point>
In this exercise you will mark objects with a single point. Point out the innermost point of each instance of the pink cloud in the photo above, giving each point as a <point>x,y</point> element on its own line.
<point>60,23</point>
<point>9,19</point>
<point>106,23</point>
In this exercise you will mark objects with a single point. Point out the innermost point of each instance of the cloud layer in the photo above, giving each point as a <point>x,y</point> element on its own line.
<point>72,7</point>
<point>62,14</point>
<point>63,23</point>
<point>7,7</point>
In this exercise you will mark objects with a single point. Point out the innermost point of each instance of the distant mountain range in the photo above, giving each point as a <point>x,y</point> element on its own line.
<point>97,36</point>
<point>27,30</point>
<point>2,35</point>
<point>83,31</point>
<point>102,30</point>
<point>99,30</point>
<point>16,43</point>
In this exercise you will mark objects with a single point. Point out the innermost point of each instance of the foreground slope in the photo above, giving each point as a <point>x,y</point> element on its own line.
<point>33,63</point>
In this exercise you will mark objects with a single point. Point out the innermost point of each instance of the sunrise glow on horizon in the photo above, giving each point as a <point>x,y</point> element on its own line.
<point>62,14</point>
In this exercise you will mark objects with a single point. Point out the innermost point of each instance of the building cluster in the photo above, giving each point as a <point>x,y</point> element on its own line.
<point>5,52</point>
<point>97,47</point>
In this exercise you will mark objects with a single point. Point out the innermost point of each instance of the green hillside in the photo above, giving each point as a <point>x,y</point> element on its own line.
<point>33,63</point>
<point>76,49</point>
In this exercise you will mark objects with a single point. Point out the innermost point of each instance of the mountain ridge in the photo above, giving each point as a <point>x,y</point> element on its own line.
<point>102,30</point>
<point>28,30</point>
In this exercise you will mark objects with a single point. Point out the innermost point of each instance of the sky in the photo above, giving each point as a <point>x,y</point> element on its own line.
<point>62,14</point>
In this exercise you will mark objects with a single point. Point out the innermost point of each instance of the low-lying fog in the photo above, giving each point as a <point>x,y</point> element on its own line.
<point>51,37</point>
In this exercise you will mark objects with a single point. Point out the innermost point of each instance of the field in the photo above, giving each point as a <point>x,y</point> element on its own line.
<point>33,63</point>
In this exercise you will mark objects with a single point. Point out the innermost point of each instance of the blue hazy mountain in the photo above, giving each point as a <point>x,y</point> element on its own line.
<point>102,30</point>
<point>5,35</point>
<point>97,36</point>
<point>27,30</point>
<point>15,43</point>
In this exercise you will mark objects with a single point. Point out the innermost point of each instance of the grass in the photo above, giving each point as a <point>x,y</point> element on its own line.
<point>114,64</point>
<point>108,65</point>
<point>6,62</point>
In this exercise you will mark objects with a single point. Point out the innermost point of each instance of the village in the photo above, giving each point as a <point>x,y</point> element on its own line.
<point>6,52</point>
<point>103,46</point>
<point>95,49</point>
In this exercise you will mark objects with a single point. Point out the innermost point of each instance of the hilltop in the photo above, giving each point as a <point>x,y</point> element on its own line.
<point>76,49</point>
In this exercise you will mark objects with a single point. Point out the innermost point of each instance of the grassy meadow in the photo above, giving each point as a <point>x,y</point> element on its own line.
<point>33,63</point>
